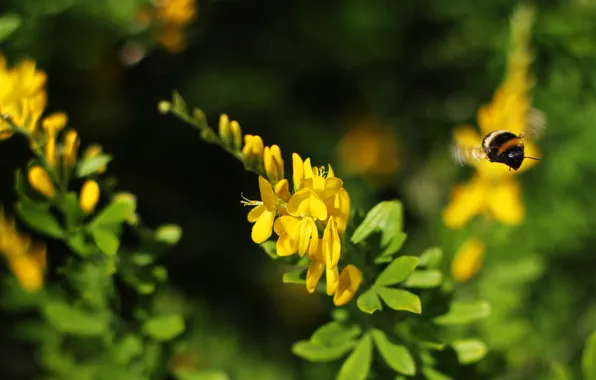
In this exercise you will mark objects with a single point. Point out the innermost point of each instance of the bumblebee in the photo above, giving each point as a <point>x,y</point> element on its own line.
<point>503,146</point>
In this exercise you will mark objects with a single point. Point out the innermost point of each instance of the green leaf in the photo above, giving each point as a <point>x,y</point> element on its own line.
<point>397,357</point>
<point>21,184</point>
<point>130,347</point>
<point>270,249</point>
<point>295,277</point>
<point>399,299</point>
<point>424,279</point>
<point>39,218</point>
<point>70,207</point>
<point>195,374</point>
<point>115,213</point>
<point>393,246</point>
<point>79,245</point>
<point>315,352</point>
<point>433,374</point>
<point>369,301</point>
<point>91,165</point>
<point>464,312</point>
<point>431,257</point>
<point>397,271</point>
<point>589,358</point>
<point>179,103</point>
<point>71,320</point>
<point>142,258</point>
<point>9,23</point>
<point>469,350</point>
<point>334,333</point>
<point>385,217</point>
<point>106,241</point>
<point>357,365</point>
<point>169,234</point>
<point>164,327</point>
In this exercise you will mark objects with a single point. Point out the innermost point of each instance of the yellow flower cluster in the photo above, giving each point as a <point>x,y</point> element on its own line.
<point>174,16</point>
<point>310,220</point>
<point>25,259</point>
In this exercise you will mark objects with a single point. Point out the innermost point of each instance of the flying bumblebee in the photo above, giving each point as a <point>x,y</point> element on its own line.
<point>503,146</point>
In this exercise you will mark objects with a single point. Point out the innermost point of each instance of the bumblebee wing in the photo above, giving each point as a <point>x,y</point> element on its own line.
<point>535,124</point>
<point>465,154</point>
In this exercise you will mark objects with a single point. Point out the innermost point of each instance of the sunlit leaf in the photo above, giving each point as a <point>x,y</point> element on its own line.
<point>469,350</point>
<point>168,234</point>
<point>399,299</point>
<point>128,348</point>
<point>196,374</point>
<point>395,243</point>
<point>295,277</point>
<point>589,358</point>
<point>397,271</point>
<point>39,218</point>
<point>270,249</point>
<point>334,333</point>
<point>164,327</point>
<point>396,356</point>
<point>69,319</point>
<point>106,241</point>
<point>9,23</point>
<point>424,279</point>
<point>116,212</point>
<point>431,257</point>
<point>369,301</point>
<point>70,207</point>
<point>464,312</point>
<point>357,365</point>
<point>79,245</point>
<point>91,165</point>
<point>315,352</point>
<point>179,104</point>
<point>433,374</point>
<point>385,217</point>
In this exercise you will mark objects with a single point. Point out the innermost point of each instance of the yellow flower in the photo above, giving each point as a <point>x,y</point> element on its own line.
<point>71,148</point>
<point>349,282</point>
<point>89,196</point>
<point>274,164</point>
<point>263,215</point>
<point>178,12</point>
<point>27,261</point>
<point>253,150</point>
<point>40,181</point>
<point>52,124</point>
<point>468,260</point>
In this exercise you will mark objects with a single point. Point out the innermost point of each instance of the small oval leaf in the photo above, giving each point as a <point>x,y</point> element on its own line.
<point>424,279</point>
<point>589,358</point>
<point>399,299</point>
<point>115,213</point>
<point>164,327</point>
<point>397,357</point>
<point>369,301</point>
<point>357,365</point>
<point>106,241</point>
<point>464,312</point>
<point>91,165</point>
<point>469,350</point>
<point>314,352</point>
<point>71,320</point>
<point>39,218</point>
<point>397,271</point>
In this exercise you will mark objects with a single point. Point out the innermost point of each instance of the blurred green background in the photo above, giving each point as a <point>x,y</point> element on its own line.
<point>307,76</point>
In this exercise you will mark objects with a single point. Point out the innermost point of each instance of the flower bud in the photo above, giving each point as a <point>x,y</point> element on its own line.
<point>40,181</point>
<point>71,148</point>
<point>274,164</point>
<point>236,135</point>
<point>89,196</point>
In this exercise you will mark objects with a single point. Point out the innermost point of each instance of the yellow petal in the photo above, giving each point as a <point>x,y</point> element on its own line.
<point>54,122</point>
<point>308,173</point>
<point>307,231</point>
<point>467,136</point>
<point>332,186</point>
<point>330,172</point>
<point>349,282</point>
<point>339,206</point>
<point>254,214</point>
<point>262,229</point>
<point>286,245</point>
<point>305,202</point>
<point>27,271</point>
<point>468,260</point>
<point>297,171</point>
<point>89,196</point>
<point>71,147</point>
<point>40,181</point>
<point>282,189</point>
<point>332,279</point>
<point>313,275</point>
<point>285,225</point>
<point>331,244</point>
<point>505,202</point>
<point>466,202</point>
<point>267,194</point>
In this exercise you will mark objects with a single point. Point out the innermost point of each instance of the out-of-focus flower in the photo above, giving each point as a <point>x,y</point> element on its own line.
<point>493,189</point>
<point>468,260</point>
<point>370,151</point>
<point>26,260</point>
<point>40,181</point>
<point>171,19</point>
<point>89,196</point>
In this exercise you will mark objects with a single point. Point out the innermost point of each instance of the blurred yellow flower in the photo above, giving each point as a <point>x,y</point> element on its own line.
<point>53,124</point>
<point>26,260</point>
<point>493,189</point>
<point>89,196</point>
<point>40,181</point>
<point>370,151</point>
<point>71,148</point>
<point>468,260</point>
<point>173,17</point>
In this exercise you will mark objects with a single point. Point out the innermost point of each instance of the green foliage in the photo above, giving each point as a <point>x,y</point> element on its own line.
<point>589,358</point>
